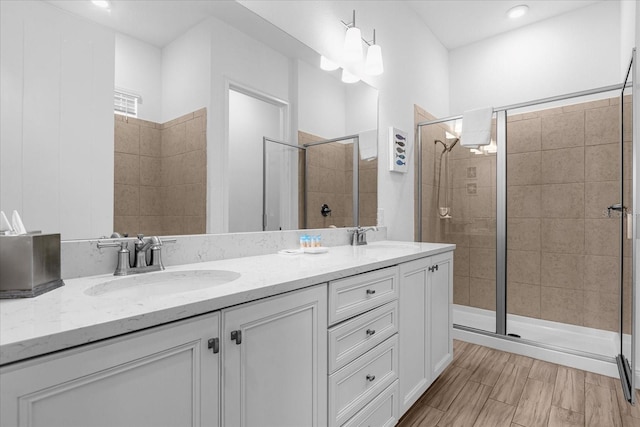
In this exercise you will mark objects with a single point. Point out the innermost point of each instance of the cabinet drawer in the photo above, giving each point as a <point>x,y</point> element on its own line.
<point>358,383</point>
<point>357,294</point>
<point>350,339</point>
<point>381,412</point>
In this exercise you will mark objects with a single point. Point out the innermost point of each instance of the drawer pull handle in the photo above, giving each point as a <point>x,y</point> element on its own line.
<point>371,332</point>
<point>214,345</point>
<point>371,377</point>
<point>371,291</point>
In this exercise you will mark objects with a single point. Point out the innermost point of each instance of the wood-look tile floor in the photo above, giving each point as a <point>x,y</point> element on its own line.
<point>484,387</point>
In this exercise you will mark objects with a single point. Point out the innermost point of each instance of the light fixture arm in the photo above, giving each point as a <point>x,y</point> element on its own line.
<point>352,23</point>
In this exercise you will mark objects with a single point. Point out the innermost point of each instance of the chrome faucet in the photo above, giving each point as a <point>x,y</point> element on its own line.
<point>359,235</point>
<point>142,245</point>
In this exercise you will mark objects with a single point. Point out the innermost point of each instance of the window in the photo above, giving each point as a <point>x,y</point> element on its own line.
<point>126,103</point>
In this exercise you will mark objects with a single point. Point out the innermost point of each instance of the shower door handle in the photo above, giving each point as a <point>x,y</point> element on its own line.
<point>617,207</point>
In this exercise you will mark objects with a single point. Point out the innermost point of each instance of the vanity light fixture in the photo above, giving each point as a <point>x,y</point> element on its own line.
<point>102,4</point>
<point>517,11</point>
<point>327,64</point>
<point>373,66</point>
<point>348,77</point>
<point>352,41</point>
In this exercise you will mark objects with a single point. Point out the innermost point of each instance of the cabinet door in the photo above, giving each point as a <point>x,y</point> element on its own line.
<point>165,376</point>
<point>275,367</point>
<point>441,308</point>
<point>414,329</point>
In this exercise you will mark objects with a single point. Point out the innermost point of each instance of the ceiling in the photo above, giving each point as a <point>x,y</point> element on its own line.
<point>458,23</point>
<point>454,22</point>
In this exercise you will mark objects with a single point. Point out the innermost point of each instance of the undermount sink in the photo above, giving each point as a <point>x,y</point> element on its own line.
<point>161,283</point>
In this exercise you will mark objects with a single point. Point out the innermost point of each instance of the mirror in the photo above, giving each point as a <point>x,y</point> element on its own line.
<point>85,172</point>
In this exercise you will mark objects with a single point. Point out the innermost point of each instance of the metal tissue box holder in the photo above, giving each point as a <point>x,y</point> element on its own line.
<point>29,264</point>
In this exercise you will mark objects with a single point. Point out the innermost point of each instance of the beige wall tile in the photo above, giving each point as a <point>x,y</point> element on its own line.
<point>482,293</point>
<point>126,224</point>
<point>563,131</point>
<point>174,201</point>
<point>368,204</point>
<point>126,169</point>
<point>483,175</point>
<point>523,299</point>
<point>523,234</point>
<point>602,163</point>
<point>150,171</point>
<point>172,170</point>
<point>523,201</point>
<point>195,167</point>
<point>523,267</point>
<point>563,235</point>
<point>151,226</point>
<point>562,270</point>
<point>562,305</point>
<point>173,225</point>
<point>150,140</point>
<point>481,204</point>
<point>459,173</point>
<point>194,200</point>
<point>151,201</point>
<point>127,137</point>
<point>563,166</point>
<point>601,273</point>
<point>482,263</point>
<point>367,180</point>
<point>562,200</point>
<point>484,240</point>
<point>524,168</point>
<point>602,237</point>
<point>461,264</point>
<point>194,129</point>
<point>524,136</point>
<point>600,195</point>
<point>195,225</point>
<point>602,125</point>
<point>588,105</point>
<point>174,140</point>
<point>461,290</point>
<point>601,311</point>
<point>126,200</point>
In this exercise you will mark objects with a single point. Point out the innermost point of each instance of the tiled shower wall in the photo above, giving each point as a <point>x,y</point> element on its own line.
<point>330,177</point>
<point>563,171</point>
<point>160,175</point>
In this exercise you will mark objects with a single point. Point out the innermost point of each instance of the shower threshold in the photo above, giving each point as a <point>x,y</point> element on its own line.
<point>563,335</point>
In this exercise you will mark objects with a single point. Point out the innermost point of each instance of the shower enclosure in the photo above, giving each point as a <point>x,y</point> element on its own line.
<point>543,222</point>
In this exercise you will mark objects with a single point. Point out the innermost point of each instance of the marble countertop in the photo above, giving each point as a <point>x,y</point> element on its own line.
<point>69,316</point>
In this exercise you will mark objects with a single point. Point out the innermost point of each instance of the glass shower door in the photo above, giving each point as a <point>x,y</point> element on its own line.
<point>625,212</point>
<point>458,205</point>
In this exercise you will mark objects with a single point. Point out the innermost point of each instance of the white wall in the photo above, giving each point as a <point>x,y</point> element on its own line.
<point>569,53</point>
<point>138,69</point>
<point>416,72</point>
<point>186,71</point>
<point>636,139</point>
<point>56,131</point>
<point>321,102</point>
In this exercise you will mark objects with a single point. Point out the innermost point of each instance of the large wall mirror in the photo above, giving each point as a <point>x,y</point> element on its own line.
<point>188,75</point>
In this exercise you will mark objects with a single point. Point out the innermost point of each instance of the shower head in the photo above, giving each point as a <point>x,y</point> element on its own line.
<point>447,148</point>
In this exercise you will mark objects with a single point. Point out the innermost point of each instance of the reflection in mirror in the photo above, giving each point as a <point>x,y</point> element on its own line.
<point>84,174</point>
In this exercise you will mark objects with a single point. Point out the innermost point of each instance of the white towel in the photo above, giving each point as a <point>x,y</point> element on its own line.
<point>368,144</point>
<point>476,128</point>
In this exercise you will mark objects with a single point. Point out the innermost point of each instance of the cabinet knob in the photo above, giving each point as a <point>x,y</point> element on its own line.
<point>236,336</point>
<point>371,291</point>
<point>214,345</point>
<point>371,377</point>
<point>371,332</point>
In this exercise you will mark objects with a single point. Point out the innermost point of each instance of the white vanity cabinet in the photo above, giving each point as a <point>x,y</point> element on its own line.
<point>275,361</point>
<point>425,305</point>
<point>165,376</point>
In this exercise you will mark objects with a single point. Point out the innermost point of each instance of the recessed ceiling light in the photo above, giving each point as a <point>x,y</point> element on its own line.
<point>103,4</point>
<point>517,11</point>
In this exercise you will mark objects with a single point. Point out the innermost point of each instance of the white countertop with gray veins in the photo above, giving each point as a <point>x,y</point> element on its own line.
<point>86,310</point>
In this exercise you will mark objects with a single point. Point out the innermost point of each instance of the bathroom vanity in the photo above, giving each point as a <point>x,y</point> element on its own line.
<point>351,337</point>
